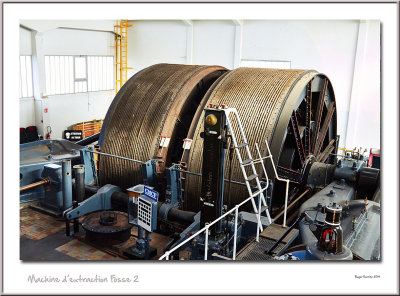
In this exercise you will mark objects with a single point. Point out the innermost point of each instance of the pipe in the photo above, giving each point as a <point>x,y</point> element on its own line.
<point>88,140</point>
<point>33,185</point>
<point>67,183</point>
<point>79,170</point>
<point>91,189</point>
<point>181,216</point>
<point>119,200</point>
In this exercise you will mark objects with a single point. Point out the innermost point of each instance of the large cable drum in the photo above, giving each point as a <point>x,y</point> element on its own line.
<point>149,118</point>
<point>294,110</point>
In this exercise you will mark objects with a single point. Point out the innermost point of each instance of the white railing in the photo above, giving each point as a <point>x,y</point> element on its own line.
<point>242,165</point>
<point>276,177</point>
<point>206,229</point>
<point>260,160</point>
<point>260,192</point>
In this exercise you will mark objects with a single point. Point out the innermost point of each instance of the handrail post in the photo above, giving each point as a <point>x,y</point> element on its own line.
<point>262,163</point>
<point>280,179</point>
<point>167,255</point>
<point>235,234</point>
<point>286,200</point>
<point>272,161</point>
<point>259,219</point>
<point>206,244</point>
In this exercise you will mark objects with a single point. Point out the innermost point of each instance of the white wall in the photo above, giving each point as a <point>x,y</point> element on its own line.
<point>330,47</point>
<point>26,112</point>
<point>152,42</point>
<point>65,110</point>
<point>213,43</point>
<point>78,42</point>
<point>364,118</point>
<point>25,42</point>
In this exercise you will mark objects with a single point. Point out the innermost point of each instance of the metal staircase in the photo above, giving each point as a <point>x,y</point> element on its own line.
<point>248,161</point>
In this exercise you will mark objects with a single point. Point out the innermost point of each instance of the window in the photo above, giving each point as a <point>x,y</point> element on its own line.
<point>101,73</point>
<point>75,74</point>
<point>59,74</point>
<point>80,75</point>
<point>25,77</point>
<point>266,64</point>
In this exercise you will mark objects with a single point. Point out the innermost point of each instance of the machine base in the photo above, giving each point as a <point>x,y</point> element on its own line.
<point>38,207</point>
<point>134,254</point>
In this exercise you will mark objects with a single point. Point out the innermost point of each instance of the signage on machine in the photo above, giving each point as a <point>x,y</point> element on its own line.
<point>150,193</point>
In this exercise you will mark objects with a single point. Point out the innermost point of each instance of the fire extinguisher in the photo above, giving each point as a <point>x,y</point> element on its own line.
<point>48,132</point>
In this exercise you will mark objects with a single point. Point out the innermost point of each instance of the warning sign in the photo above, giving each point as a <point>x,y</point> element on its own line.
<point>73,135</point>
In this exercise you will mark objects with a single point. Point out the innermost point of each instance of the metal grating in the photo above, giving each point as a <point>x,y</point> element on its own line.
<point>254,251</point>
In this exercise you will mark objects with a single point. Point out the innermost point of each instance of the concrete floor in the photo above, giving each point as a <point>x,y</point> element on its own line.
<point>45,248</point>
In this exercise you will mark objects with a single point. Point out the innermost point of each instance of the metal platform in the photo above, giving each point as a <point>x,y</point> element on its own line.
<point>254,251</point>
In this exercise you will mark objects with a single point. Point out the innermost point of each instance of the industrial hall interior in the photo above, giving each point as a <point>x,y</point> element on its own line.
<point>192,140</point>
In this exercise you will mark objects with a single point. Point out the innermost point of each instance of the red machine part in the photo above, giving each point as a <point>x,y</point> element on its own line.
<point>374,152</point>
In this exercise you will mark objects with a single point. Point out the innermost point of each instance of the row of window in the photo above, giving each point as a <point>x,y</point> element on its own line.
<point>25,77</point>
<point>69,74</point>
<point>76,74</point>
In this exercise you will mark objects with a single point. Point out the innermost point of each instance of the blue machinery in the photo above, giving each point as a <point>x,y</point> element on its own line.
<point>57,198</point>
<point>65,173</point>
<point>146,219</point>
<point>53,160</point>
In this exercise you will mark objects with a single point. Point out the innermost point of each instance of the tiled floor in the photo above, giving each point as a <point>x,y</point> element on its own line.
<point>35,225</point>
<point>81,251</point>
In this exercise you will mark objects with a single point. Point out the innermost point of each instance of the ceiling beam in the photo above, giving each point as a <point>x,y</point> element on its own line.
<point>188,22</point>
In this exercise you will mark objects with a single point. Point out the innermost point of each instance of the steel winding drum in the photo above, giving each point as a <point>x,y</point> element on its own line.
<point>149,118</point>
<point>160,106</point>
<point>294,110</point>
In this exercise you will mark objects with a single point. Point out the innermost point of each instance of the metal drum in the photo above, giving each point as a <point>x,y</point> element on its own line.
<point>294,110</point>
<point>149,118</point>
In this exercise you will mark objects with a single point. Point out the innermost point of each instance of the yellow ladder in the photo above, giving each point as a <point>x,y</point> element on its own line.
<point>121,53</point>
